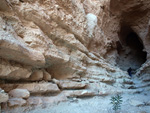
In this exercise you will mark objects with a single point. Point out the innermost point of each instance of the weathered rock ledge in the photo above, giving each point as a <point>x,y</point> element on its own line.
<point>52,50</point>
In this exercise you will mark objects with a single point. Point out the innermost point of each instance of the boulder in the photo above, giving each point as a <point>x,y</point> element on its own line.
<point>16,102</point>
<point>36,75</point>
<point>19,93</point>
<point>46,76</point>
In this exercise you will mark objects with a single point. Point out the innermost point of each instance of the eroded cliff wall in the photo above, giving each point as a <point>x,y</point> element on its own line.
<point>50,46</point>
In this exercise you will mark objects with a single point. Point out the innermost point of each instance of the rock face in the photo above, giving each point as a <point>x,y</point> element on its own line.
<point>46,76</point>
<point>88,43</point>
<point>13,72</point>
<point>40,87</point>
<point>79,93</point>
<point>37,75</point>
<point>19,93</point>
<point>71,85</point>
<point>16,102</point>
<point>3,96</point>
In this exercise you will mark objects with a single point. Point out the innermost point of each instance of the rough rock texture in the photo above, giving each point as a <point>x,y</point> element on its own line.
<point>37,75</point>
<point>89,43</point>
<point>16,102</point>
<point>71,85</point>
<point>46,76</point>
<point>3,96</point>
<point>19,93</point>
<point>79,93</point>
<point>34,101</point>
<point>32,87</point>
<point>40,87</point>
<point>46,100</point>
<point>13,71</point>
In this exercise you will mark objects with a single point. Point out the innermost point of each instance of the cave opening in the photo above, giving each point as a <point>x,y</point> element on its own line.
<point>130,49</point>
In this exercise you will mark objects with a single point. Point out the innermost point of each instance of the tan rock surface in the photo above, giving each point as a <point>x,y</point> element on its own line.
<point>36,75</point>
<point>40,87</point>
<point>46,76</point>
<point>3,96</point>
<point>85,41</point>
<point>71,85</point>
<point>32,87</point>
<point>34,101</point>
<point>19,93</point>
<point>18,51</point>
<point>11,72</point>
<point>16,102</point>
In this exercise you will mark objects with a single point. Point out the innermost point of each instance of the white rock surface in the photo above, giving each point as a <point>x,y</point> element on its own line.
<point>91,23</point>
<point>136,103</point>
<point>79,93</point>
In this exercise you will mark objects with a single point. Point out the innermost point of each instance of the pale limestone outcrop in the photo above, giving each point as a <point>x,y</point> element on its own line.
<point>13,72</point>
<point>19,93</point>
<point>16,102</point>
<point>40,87</point>
<point>65,48</point>
<point>71,85</point>
<point>35,88</point>
<point>18,51</point>
<point>73,44</point>
<point>51,26</point>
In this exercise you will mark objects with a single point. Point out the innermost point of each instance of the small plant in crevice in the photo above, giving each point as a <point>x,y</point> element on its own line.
<point>116,102</point>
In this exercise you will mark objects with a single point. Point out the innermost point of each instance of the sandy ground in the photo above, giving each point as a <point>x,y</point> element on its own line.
<point>97,105</point>
<point>100,104</point>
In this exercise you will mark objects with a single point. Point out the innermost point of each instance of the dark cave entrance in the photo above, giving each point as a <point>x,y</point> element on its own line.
<point>130,49</point>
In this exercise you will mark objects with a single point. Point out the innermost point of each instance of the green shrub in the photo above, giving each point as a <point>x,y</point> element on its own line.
<point>116,102</point>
